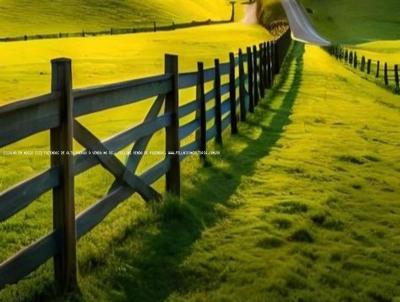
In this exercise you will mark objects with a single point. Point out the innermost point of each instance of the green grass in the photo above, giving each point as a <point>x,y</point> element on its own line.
<point>314,216</point>
<point>95,61</point>
<point>40,17</point>
<point>384,51</point>
<point>301,206</point>
<point>354,21</point>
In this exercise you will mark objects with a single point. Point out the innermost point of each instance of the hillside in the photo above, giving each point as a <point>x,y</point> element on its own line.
<point>53,16</point>
<point>96,60</point>
<point>385,51</point>
<point>354,21</point>
<point>305,209</point>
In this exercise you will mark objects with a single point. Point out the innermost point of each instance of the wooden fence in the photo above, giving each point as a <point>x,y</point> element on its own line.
<point>154,27</point>
<point>378,70</point>
<point>58,111</point>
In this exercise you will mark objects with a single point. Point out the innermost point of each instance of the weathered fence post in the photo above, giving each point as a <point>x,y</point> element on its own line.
<point>268,63</point>
<point>255,76</point>
<point>363,64</point>
<point>218,114</point>
<point>232,93</point>
<point>201,100</point>
<point>396,77</point>
<point>172,145</point>
<point>265,61</point>
<point>271,63</point>
<point>355,60</point>
<point>261,71</point>
<point>250,79</point>
<point>276,57</point>
<point>378,69</point>
<point>61,142</point>
<point>369,66</point>
<point>386,74</point>
<point>273,60</point>
<point>242,88</point>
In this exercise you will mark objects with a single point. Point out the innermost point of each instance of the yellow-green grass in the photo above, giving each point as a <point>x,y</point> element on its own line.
<point>383,51</point>
<point>26,72</point>
<point>303,205</point>
<point>315,214</point>
<point>354,21</point>
<point>36,17</point>
<point>25,66</point>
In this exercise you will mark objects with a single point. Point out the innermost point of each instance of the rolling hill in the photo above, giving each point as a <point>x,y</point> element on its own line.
<point>53,16</point>
<point>353,21</point>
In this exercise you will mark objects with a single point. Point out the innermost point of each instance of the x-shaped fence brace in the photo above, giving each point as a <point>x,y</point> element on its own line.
<point>124,174</point>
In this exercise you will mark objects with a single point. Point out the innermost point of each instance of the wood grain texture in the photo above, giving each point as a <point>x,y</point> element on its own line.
<point>96,99</point>
<point>65,261</point>
<point>173,145</point>
<point>25,118</point>
<point>22,195</point>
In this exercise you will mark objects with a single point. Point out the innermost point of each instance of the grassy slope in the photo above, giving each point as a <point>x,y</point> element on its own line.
<point>370,27</point>
<point>53,16</point>
<point>317,218</point>
<point>307,203</point>
<point>353,21</point>
<point>95,60</point>
<point>385,51</point>
<point>302,205</point>
<point>107,59</point>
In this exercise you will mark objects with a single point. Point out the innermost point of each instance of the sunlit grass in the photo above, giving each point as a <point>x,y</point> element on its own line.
<point>46,16</point>
<point>384,51</point>
<point>301,206</point>
<point>96,61</point>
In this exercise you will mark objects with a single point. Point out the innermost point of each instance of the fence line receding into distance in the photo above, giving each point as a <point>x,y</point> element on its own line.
<point>115,31</point>
<point>251,73</point>
<point>372,69</point>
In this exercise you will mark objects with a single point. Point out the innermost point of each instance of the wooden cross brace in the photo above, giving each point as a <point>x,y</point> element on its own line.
<point>113,164</point>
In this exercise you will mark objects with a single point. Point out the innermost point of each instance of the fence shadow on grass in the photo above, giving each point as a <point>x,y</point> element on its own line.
<point>156,272</point>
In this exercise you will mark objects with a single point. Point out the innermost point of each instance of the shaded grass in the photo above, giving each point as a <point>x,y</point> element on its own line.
<point>95,61</point>
<point>157,271</point>
<point>370,19</point>
<point>341,248</point>
<point>143,262</point>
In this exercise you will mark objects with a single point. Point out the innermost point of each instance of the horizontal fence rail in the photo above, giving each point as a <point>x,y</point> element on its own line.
<point>376,70</point>
<point>250,73</point>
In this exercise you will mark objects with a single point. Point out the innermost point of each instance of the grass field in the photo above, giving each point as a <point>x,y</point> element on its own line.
<point>353,21</point>
<point>108,59</point>
<point>301,206</point>
<point>95,61</point>
<point>384,51</point>
<point>370,27</point>
<point>53,16</point>
<point>306,207</point>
